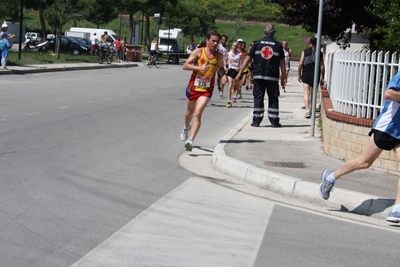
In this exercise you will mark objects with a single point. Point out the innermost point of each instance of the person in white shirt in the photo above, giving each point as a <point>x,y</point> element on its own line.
<point>223,48</point>
<point>94,40</point>
<point>234,60</point>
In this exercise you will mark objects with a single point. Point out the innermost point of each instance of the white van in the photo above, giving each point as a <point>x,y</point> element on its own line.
<point>99,32</point>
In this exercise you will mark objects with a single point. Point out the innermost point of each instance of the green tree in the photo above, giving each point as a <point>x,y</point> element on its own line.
<point>41,6</point>
<point>338,16</point>
<point>63,11</point>
<point>10,10</point>
<point>103,11</point>
<point>194,18</point>
<point>384,35</point>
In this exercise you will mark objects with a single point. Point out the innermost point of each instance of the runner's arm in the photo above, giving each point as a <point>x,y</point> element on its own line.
<point>246,62</point>
<point>189,63</point>
<point>392,94</point>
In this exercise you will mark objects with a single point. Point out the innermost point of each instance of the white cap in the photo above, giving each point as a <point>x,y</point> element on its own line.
<point>240,41</point>
<point>4,25</point>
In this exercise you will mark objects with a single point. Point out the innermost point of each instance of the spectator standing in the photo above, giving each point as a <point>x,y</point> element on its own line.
<point>306,73</point>
<point>203,62</point>
<point>118,48</point>
<point>174,55</point>
<point>94,41</point>
<point>267,56</point>
<point>288,57</point>
<point>4,52</point>
<point>4,33</point>
<point>123,42</point>
<point>223,48</point>
<point>192,46</point>
<point>384,135</point>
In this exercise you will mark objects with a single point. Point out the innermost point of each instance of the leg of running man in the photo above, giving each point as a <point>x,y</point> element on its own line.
<point>243,83</point>
<point>397,201</point>
<point>219,76</point>
<point>231,85</point>
<point>394,214</point>
<point>195,111</point>
<point>200,105</point>
<point>369,155</point>
<point>237,88</point>
<point>191,105</point>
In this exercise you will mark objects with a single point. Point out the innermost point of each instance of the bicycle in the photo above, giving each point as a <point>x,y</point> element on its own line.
<point>105,53</point>
<point>154,61</point>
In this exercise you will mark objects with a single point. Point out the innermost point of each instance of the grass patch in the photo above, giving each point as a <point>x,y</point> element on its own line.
<point>47,58</point>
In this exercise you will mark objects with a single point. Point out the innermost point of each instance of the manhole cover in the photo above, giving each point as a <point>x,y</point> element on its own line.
<point>299,165</point>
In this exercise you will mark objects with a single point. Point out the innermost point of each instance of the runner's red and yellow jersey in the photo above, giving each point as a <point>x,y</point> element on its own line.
<point>203,81</point>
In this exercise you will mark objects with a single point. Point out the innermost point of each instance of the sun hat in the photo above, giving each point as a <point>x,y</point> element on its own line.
<point>4,25</point>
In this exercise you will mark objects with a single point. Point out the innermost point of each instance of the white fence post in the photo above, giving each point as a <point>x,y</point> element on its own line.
<point>357,79</point>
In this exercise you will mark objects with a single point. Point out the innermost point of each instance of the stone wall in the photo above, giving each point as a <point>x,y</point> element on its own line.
<point>346,137</point>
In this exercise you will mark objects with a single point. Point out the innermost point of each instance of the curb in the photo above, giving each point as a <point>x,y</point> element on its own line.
<point>342,200</point>
<point>49,68</point>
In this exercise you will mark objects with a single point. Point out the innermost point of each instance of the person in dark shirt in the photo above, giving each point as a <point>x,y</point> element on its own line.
<point>306,73</point>
<point>267,59</point>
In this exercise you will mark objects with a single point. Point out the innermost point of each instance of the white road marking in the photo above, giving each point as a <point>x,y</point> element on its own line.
<point>64,107</point>
<point>197,224</point>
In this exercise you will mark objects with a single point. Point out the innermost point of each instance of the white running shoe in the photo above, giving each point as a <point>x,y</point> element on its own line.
<point>394,216</point>
<point>220,93</point>
<point>326,186</point>
<point>185,133</point>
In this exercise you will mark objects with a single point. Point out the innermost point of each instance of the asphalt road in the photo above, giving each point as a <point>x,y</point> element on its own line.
<point>91,177</point>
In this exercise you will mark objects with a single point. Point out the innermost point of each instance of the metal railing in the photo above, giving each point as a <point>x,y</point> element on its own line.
<point>357,79</point>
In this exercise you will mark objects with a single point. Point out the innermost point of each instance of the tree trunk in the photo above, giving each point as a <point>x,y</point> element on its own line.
<point>148,32</point>
<point>42,23</point>
<point>131,26</point>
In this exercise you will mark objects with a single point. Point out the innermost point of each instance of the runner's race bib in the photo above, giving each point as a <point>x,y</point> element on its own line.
<point>202,83</point>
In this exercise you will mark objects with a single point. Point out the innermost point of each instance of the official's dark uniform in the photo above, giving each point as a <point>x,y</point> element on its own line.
<point>266,54</point>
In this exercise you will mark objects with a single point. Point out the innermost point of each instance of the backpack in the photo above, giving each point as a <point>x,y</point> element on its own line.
<point>2,44</point>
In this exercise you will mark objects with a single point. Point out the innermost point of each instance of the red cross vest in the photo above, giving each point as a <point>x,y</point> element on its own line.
<point>266,54</point>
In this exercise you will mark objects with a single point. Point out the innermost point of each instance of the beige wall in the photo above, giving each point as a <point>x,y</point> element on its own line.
<point>345,137</point>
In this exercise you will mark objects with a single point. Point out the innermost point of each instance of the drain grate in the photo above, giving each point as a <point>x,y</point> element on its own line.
<point>298,165</point>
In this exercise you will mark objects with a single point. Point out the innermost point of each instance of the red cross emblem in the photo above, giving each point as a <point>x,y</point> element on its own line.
<point>267,52</point>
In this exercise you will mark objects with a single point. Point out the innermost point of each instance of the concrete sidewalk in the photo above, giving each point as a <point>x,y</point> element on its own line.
<point>289,160</point>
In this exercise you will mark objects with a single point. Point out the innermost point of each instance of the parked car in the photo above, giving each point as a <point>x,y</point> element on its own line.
<point>70,45</point>
<point>83,41</point>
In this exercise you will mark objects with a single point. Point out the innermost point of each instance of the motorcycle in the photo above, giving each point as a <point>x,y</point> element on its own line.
<point>30,45</point>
